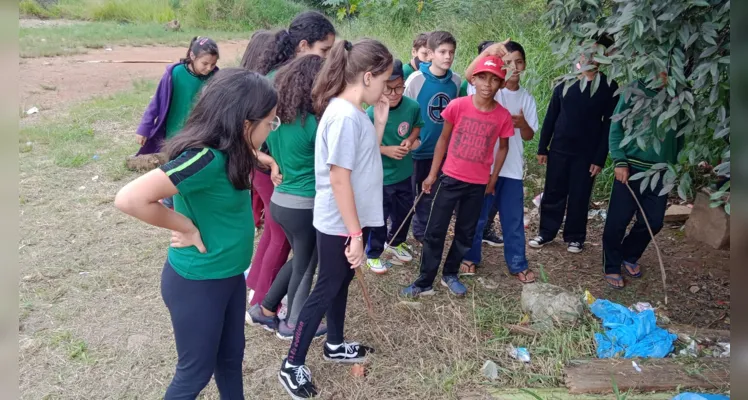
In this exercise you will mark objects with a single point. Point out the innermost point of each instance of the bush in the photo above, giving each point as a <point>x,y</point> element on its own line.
<point>240,14</point>
<point>132,11</point>
<point>30,8</point>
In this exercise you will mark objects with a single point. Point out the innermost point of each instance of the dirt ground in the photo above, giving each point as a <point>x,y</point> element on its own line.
<point>53,82</point>
<point>93,325</point>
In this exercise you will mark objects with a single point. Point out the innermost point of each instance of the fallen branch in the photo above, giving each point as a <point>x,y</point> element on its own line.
<point>649,228</point>
<point>522,330</point>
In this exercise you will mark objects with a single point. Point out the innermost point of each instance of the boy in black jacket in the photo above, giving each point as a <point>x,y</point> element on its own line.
<point>578,124</point>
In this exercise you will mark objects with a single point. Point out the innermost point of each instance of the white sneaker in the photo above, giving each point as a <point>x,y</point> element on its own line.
<point>538,242</point>
<point>400,252</point>
<point>377,266</point>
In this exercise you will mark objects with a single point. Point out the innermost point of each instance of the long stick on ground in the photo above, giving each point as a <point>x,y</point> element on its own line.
<point>415,203</point>
<point>649,228</point>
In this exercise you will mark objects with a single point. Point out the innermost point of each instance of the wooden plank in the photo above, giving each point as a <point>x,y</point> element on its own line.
<point>700,335</point>
<point>561,394</point>
<point>668,374</point>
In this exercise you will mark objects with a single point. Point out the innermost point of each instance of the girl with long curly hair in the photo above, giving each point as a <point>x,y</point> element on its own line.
<point>292,203</point>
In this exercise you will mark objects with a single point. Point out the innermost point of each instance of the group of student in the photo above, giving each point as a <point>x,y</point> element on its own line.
<point>286,141</point>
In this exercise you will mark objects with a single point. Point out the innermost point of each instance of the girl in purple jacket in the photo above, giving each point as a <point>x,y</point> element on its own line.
<point>171,105</point>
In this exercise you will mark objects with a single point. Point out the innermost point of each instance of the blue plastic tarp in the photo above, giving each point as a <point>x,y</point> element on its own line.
<point>700,396</point>
<point>630,334</point>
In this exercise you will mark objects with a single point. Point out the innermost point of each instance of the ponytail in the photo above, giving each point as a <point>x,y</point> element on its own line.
<point>343,66</point>
<point>200,45</point>
<point>284,52</point>
<point>331,79</point>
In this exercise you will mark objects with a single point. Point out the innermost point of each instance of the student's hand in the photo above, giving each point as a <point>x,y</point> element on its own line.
<point>354,252</point>
<point>519,120</point>
<point>275,174</point>
<point>491,186</point>
<point>622,174</point>
<point>497,49</point>
<point>411,144</point>
<point>428,183</point>
<point>381,111</point>
<point>594,170</point>
<point>141,139</point>
<point>542,160</point>
<point>187,239</point>
<point>394,152</point>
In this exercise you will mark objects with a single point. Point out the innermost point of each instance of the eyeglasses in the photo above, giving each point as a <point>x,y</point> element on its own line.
<point>275,123</point>
<point>397,90</point>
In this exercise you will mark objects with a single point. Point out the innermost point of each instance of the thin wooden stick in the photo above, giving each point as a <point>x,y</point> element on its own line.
<point>415,203</point>
<point>367,299</point>
<point>649,228</point>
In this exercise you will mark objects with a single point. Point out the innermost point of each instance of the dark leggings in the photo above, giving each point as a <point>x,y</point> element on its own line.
<point>329,297</point>
<point>295,278</point>
<point>208,321</point>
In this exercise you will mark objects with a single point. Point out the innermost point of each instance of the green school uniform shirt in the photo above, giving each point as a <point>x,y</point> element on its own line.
<point>292,146</point>
<point>185,86</point>
<point>400,123</point>
<point>407,70</point>
<point>631,154</point>
<point>463,89</point>
<point>222,214</point>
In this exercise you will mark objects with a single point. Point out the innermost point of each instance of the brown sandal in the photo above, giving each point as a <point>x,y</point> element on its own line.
<point>467,268</point>
<point>522,276</point>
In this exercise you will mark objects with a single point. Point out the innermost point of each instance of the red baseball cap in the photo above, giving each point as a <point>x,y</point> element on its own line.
<point>491,64</point>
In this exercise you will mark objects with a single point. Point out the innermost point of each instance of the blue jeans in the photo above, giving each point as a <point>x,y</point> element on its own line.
<point>509,199</point>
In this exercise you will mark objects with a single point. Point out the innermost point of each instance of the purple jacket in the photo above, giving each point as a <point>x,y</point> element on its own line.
<point>153,124</point>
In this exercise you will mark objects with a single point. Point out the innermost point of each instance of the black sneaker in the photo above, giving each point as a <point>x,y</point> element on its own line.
<point>297,381</point>
<point>492,239</point>
<point>575,247</point>
<point>538,242</point>
<point>347,353</point>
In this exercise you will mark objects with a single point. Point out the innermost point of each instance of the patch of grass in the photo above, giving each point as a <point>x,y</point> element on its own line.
<point>75,349</point>
<point>74,39</point>
<point>549,351</point>
<point>32,9</point>
<point>240,15</point>
<point>98,130</point>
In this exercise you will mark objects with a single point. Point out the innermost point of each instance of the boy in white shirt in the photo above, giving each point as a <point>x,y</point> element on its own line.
<point>508,197</point>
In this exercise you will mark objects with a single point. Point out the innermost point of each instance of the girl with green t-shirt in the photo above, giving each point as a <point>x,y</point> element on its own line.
<point>202,282</point>
<point>171,105</point>
<point>292,202</point>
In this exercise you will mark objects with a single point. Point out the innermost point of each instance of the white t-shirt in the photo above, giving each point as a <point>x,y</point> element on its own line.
<point>346,138</point>
<point>514,101</point>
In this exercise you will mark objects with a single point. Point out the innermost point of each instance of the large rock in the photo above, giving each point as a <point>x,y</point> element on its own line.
<point>708,225</point>
<point>677,213</point>
<point>548,304</point>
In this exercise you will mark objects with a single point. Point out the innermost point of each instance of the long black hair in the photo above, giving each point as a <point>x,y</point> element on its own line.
<point>266,51</point>
<point>232,96</point>
<point>200,45</point>
<point>309,26</point>
<point>294,85</point>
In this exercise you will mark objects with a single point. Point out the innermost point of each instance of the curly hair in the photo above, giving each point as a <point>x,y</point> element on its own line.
<point>294,82</point>
<point>267,50</point>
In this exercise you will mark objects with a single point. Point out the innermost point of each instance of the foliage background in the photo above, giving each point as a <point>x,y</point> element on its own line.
<point>690,37</point>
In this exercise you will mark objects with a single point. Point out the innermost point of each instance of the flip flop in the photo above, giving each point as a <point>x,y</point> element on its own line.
<point>609,278</point>
<point>524,274</point>
<point>469,269</point>
<point>627,265</point>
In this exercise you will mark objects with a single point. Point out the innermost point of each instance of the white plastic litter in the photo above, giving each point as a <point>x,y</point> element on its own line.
<point>519,353</point>
<point>32,110</point>
<point>641,306</point>
<point>636,366</point>
<point>537,199</point>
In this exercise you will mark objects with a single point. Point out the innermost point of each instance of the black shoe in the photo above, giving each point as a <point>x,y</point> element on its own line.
<point>492,239</point>
<point>538,242</point>
<point>575,247</point>
<point>297,381</point>
<point>347,353</point>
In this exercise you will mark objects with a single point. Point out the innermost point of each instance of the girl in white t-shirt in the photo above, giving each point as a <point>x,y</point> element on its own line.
<point>348,200</point>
